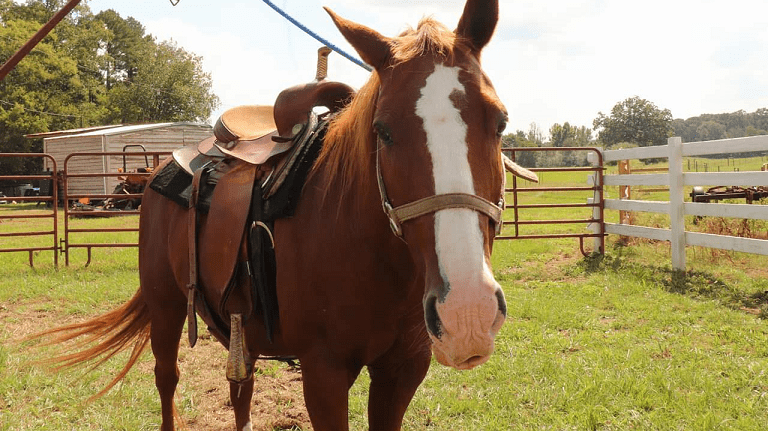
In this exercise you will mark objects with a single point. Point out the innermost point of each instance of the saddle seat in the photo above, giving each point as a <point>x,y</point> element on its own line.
<point>246,133</point>
<point>256,133</point>
<point>245,123</point>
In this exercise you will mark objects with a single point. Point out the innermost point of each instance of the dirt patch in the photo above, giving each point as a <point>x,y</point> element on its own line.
<point>203,391</point>
<point>278,403</point>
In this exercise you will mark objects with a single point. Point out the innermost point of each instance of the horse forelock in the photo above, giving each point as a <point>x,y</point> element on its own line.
<point>429,38</point>
<point>346,154</point>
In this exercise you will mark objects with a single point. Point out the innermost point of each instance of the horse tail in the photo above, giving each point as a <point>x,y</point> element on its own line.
<point>101,338</point>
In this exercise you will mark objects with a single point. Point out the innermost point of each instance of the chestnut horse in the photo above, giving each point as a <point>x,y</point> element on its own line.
<point>423,138</point>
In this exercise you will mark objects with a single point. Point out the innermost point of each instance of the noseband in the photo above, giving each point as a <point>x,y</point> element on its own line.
<point>430,204</point>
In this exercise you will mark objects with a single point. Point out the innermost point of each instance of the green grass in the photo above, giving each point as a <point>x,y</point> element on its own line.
<point>612,342</point>
<point>608,343</point>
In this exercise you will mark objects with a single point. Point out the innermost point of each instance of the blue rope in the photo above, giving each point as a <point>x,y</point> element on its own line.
<point>318,37</point>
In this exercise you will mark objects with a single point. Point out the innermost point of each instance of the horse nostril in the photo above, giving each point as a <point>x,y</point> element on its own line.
<point>430,316</point>
<point>502,302</point>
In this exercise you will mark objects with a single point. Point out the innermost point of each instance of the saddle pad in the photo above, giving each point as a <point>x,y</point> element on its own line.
<point>175,183</point>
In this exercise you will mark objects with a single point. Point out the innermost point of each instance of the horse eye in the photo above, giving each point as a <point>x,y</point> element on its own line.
<point>382,131</point>
<point>502,126</point>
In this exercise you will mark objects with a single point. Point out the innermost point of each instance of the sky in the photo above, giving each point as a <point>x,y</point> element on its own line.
<point>550,61</point>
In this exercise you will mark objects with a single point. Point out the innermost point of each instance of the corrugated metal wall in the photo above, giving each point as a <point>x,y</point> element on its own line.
<point>59,148</point>
<point>160,139</point>
<point>165,138</point>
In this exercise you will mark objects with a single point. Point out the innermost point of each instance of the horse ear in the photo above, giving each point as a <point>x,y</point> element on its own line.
<point>373,48</point>
<point>478,22</point>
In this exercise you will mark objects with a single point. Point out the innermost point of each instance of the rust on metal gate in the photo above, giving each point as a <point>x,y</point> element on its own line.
<point>50,201</point>
<point>596,204</point>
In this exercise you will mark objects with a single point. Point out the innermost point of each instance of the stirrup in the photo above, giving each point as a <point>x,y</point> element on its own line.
<point>239,363</point>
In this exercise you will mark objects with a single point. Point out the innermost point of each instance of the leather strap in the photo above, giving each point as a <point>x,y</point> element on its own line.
<point>430,204</point>
<point>192,240</point>
<point>436,203</point>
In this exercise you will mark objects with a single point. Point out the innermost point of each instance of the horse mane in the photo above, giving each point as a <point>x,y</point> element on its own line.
<point>346,153</point>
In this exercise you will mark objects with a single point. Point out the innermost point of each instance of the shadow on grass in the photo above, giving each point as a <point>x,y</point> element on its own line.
<point>695,284</point>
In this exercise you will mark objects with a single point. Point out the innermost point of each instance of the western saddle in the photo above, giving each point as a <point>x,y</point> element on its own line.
<point>251,157</point>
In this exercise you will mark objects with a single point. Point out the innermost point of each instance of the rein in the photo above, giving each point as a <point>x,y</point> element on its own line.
<point>430,204</point>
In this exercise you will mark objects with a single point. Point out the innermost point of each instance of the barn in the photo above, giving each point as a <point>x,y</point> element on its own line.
<point>135,138</point>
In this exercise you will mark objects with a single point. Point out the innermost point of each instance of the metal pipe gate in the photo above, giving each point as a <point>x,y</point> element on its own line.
<point>596,203</point>
<point>514,193</point>
<point>66,242</point>
<point>49,200</point>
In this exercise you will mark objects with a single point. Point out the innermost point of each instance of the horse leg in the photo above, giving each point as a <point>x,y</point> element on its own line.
<point>165,338</point>
<point>394,380</point>
<point>241,394</point>
<point>326,393</point>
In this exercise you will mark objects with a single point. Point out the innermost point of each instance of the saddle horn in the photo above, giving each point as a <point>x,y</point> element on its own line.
<point>294,104</point>
<point>322,63</point>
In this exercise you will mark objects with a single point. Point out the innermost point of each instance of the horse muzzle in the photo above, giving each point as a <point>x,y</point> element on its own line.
<point>463,328</point>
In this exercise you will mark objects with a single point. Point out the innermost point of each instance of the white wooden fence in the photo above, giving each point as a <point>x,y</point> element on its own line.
<point>676,207</point>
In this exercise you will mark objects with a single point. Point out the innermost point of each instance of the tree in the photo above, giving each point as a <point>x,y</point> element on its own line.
<point>710,130</point>
<point>535,135</point>
<point>634,120</point>
<point>559,135</point>
<point>170,85</point>
<point>569,136</point>
<point>717,126</point>
<point>125,46</point>
<point>36,96</point>
<point>519,139</point>
<point>91,70</point>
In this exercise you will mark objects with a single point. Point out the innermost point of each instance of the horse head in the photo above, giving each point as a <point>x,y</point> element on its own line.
<point>436,128</point>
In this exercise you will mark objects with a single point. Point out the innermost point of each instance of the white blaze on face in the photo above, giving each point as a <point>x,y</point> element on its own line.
<point>458,239</point>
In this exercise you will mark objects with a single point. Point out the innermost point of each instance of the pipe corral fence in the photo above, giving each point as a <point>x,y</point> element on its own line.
<point>73,209</point>
<point>50,201</point>
<point>71,212</point>
<point>58,193</point>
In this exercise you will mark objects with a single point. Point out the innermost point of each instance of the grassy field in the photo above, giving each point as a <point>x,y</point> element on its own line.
<point>611,342</point>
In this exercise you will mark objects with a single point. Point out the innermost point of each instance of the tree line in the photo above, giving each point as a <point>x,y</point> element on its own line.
<point>91,70</point>
<point>633,122</point>
<point>708,127</point>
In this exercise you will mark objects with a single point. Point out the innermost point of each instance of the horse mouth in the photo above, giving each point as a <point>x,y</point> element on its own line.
<point>472,362</point>
<point>463,364</point>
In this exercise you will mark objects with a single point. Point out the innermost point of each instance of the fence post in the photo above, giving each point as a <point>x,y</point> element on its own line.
<point>625,192</point>
<point>595,159</point>
<point>676,209</point>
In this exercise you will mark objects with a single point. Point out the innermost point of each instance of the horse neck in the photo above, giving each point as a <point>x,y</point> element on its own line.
<point>356,206</point>
<point>350,225</point>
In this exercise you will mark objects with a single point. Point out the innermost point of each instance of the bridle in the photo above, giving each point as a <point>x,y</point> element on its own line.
<point>430,204</point>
